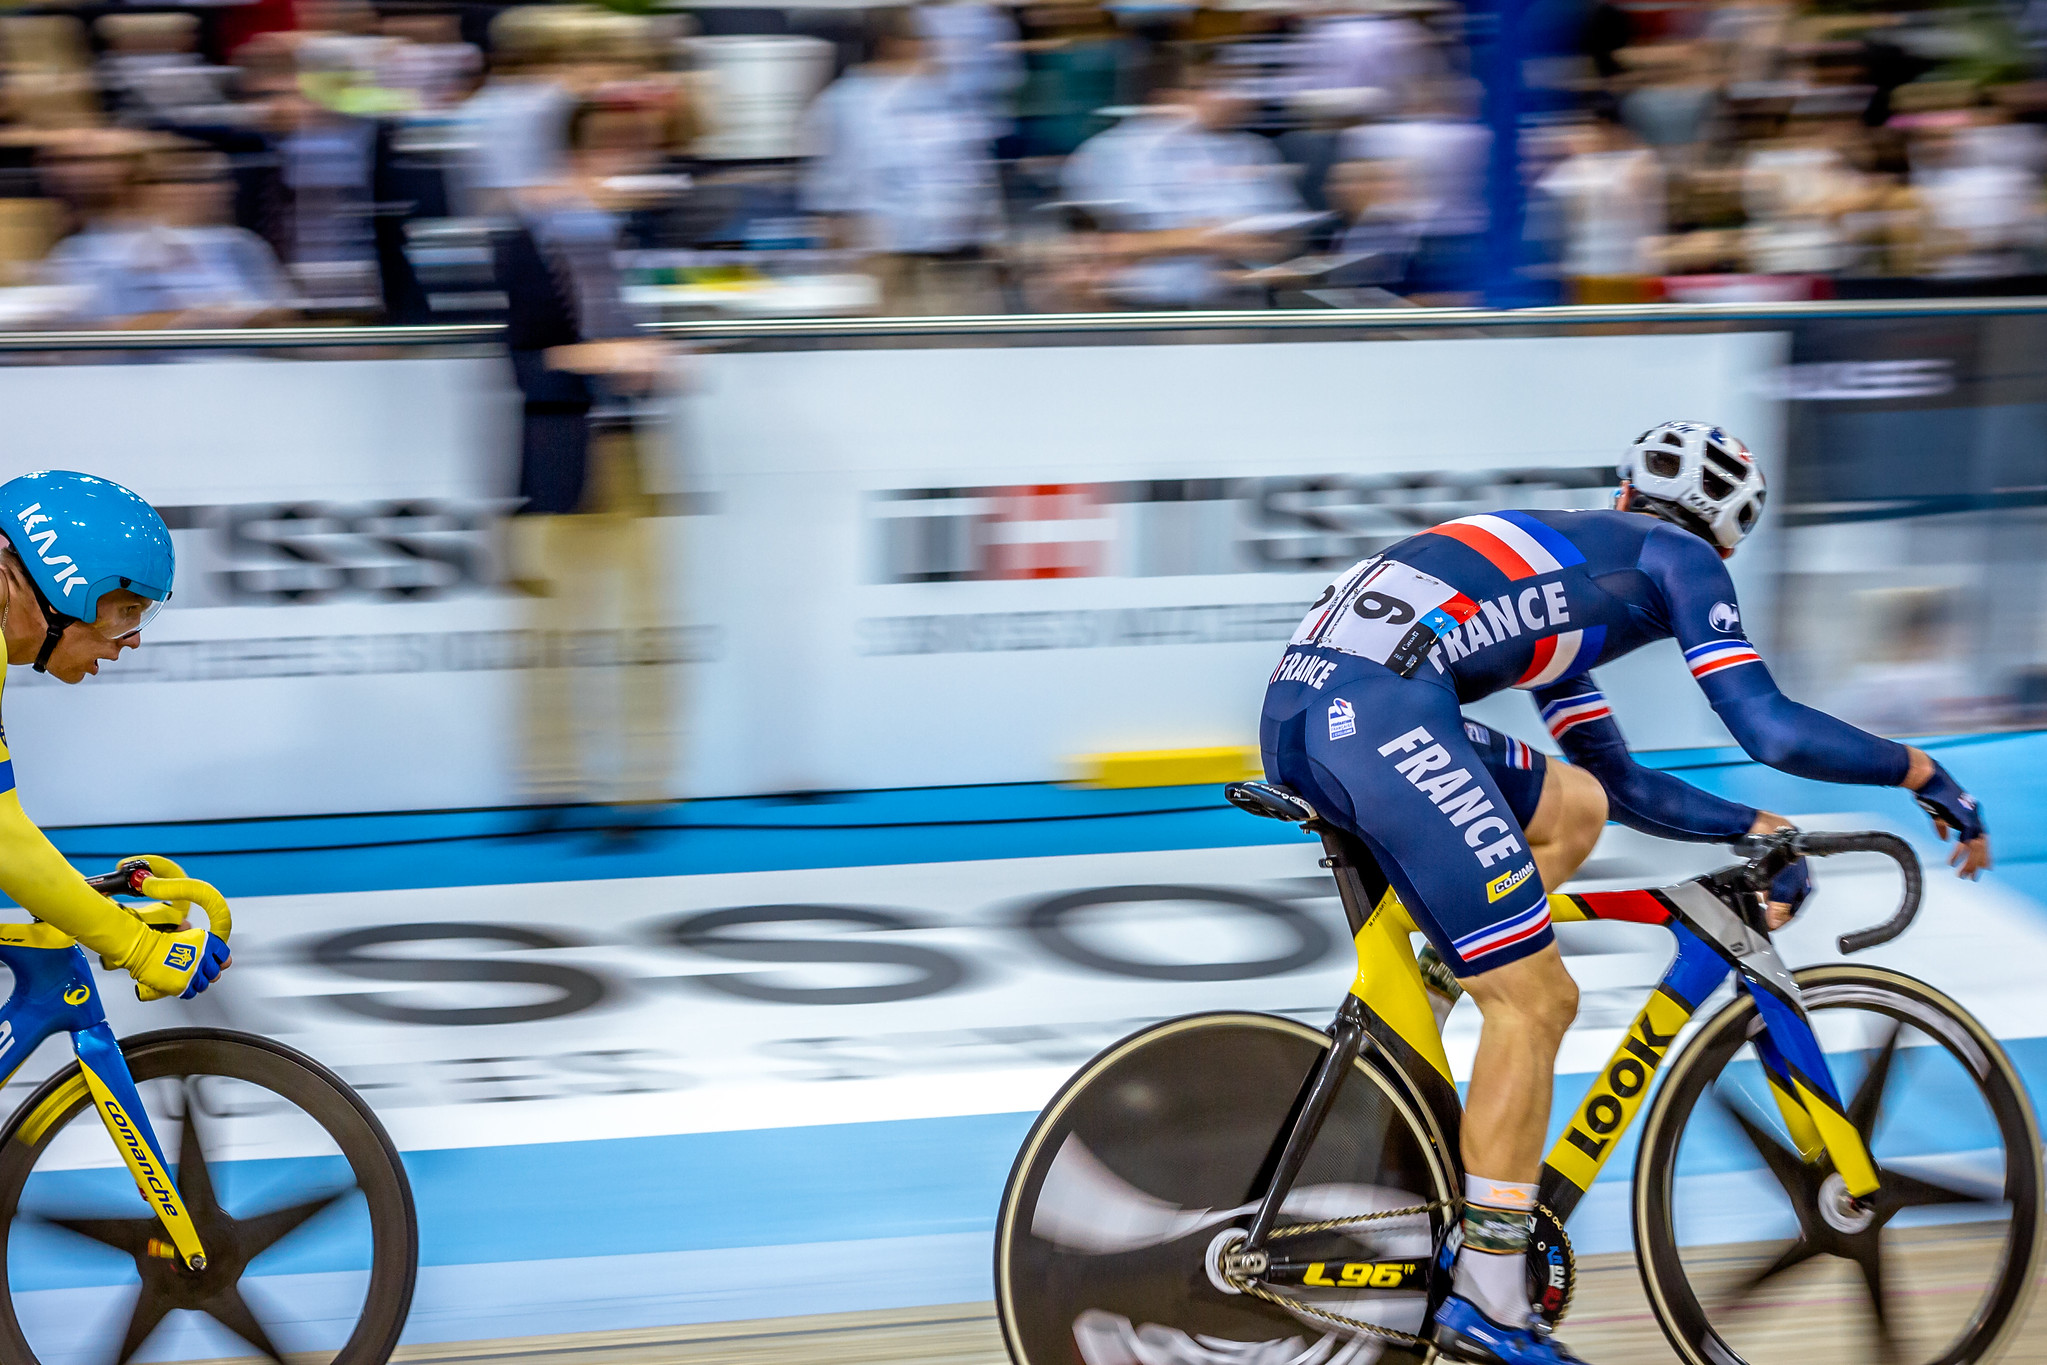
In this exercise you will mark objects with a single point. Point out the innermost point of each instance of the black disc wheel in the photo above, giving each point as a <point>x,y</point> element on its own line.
<point>293,1186</point>
<point>1152,1160</point>
<point>1753,1254</point>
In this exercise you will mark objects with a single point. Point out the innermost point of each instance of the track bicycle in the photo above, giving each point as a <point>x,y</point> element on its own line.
<point>1840,1163</point>
<point>280,1223</point>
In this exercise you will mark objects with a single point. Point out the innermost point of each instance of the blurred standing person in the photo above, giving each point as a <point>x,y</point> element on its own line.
<point>515,127</point>
<point>1611,190</point>
<point>906,174</point>
<point>584,542</point>
<point>1184,198</point>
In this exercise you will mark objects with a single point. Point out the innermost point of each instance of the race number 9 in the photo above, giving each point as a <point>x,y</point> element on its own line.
<point>1374,606</point>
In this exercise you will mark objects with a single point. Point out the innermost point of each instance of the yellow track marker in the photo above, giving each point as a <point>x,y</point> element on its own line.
<point>1166,767</point>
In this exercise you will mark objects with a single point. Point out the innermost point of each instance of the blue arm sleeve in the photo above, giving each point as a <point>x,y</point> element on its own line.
<point>1705,619</point>
<point>1640,798</point>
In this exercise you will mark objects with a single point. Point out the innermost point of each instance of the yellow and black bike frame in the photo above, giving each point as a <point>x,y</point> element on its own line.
<point>1388,1005</point>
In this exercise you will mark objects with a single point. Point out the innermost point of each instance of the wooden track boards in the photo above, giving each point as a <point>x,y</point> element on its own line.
<point>1610,1324</point>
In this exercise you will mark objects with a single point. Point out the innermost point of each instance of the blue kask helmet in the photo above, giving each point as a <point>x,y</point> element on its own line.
<point>81,537</point>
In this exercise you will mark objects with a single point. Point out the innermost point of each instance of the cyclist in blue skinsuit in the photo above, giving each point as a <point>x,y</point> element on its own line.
<point>1472,827</point>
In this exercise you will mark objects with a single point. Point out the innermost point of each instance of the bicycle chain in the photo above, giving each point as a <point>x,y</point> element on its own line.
<point>1302,1307</point>
<point>1393,1334</point>
<point>1570,1259</point>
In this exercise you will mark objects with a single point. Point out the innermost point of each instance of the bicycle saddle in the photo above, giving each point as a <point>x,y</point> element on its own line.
<point>1270,800</point>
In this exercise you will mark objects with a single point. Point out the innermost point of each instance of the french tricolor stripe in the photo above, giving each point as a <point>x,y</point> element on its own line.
<point>1711,658</point>
<point>1558,656</point>
<point>1517,753</point>
<point>1505,934</point>
<point>1572,712</point>
<point>1515,543</point>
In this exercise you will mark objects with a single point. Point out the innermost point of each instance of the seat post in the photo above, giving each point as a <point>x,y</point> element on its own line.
<point>1351,887</point>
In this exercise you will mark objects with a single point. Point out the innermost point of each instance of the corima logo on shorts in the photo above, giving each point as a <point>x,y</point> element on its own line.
<point>1507,881</point>
<point>31,517</point>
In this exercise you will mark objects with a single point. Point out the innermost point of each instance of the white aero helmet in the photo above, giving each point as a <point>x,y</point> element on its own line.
<point>1698,476</point>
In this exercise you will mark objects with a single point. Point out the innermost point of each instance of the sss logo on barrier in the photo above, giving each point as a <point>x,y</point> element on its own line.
<point>1149,528</point>
<point>285,553</point>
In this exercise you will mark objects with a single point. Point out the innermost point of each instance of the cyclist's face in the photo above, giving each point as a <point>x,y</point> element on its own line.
<point>81,648</point>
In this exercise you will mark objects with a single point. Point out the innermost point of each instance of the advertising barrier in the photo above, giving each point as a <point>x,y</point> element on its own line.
<point>908,567</point>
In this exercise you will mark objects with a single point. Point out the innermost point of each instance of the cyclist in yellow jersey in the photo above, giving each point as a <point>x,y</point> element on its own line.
<point>84,565</point>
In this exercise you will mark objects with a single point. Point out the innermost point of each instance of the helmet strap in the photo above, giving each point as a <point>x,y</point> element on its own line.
<point>54,624</point>
<point>1682,517</point>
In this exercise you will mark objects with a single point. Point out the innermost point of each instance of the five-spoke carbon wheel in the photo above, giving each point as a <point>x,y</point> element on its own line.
<point>1752,1254</point>
<point>293,1186</point>
<point>1142,1171</point>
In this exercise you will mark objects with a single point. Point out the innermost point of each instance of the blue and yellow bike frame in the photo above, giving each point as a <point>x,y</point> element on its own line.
<point>1391,1007</point>
<point>53,993</point>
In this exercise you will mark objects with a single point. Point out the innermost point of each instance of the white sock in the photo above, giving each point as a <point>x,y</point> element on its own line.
<point>1492,1266</point>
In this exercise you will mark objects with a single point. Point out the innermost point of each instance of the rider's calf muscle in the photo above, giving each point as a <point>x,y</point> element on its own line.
<point>1525,1006</point>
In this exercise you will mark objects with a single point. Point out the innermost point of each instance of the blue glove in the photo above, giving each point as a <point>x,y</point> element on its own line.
<point>212,962</point>
<point>1793,886</point>
<point>1943,798</point>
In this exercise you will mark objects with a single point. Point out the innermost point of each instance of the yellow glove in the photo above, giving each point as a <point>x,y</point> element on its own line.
<point>36,877</point>
<point>181,963</point>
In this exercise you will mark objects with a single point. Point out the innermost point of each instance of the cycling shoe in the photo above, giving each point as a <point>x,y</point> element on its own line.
<point>1464,1333</point>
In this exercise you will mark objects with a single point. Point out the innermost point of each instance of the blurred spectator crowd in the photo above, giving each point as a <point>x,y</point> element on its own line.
<point>245,162</point>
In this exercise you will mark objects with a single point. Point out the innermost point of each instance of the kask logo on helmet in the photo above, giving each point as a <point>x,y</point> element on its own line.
<point>68,575</point>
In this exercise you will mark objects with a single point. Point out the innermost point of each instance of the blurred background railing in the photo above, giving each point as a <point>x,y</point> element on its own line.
<point>1013,326</point>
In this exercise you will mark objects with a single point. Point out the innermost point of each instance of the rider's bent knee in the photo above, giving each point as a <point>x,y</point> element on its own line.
<point>1585,806</point>
<point>1536,992</point>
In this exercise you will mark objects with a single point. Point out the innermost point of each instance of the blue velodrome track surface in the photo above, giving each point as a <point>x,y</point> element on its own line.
<point>559,1236</point>
<point>934,824</point>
